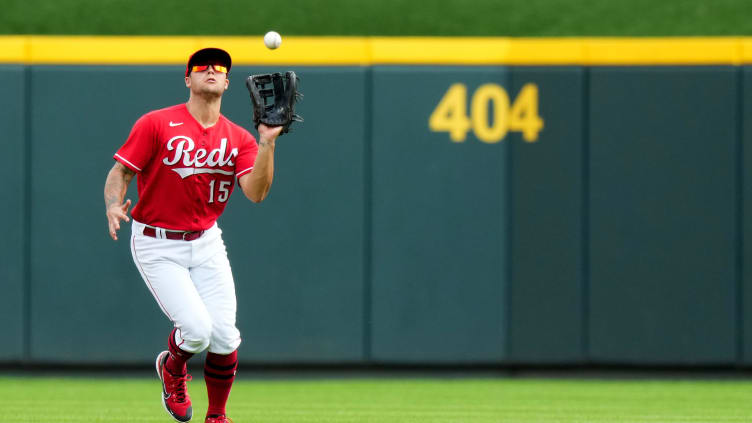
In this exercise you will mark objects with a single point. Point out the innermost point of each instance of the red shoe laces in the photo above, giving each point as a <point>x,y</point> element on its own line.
<point>177,386</point>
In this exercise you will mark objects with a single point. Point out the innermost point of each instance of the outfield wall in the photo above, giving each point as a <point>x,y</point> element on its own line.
<point>578,213</point>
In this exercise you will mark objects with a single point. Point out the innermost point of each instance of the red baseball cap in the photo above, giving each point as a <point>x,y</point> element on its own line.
<point>209,55</point>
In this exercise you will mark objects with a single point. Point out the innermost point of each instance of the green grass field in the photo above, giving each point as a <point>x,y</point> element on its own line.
<point>380,17</point>
<point>435,400</point>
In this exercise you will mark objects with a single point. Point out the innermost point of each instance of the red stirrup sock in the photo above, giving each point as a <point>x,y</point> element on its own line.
<point>219,373</point>
<point>177,358</point>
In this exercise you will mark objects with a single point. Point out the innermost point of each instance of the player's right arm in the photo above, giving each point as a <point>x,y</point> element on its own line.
<point>115,188</point>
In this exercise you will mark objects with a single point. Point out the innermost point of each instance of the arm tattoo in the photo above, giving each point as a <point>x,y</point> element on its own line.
<point>116,186</point>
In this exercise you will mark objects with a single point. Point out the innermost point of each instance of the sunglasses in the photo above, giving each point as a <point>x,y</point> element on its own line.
<point>201,68</point>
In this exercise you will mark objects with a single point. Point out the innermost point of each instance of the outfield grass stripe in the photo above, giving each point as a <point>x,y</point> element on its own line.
<point>361,51</point>
<point>385,401</point>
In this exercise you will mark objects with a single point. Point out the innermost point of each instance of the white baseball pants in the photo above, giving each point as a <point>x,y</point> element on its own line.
<point>193,285</point>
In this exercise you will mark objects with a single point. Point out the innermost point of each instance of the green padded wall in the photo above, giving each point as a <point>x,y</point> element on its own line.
<point>439,224</point>
<point>13,190</point>
<point>616,237</point>
<point>745,158</point>
<point>663,215</point>
<point>546,291</point>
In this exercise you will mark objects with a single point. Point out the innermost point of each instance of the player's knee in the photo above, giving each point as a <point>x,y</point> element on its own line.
<point>224,340</point>
<point>197,336</point>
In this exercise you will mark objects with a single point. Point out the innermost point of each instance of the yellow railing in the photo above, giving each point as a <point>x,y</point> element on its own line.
<point>140,50</point>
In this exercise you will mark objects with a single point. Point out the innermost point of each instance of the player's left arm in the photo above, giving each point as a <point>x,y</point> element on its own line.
<point>257,183</point>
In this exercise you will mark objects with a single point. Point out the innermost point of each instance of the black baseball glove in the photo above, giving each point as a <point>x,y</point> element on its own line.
<point>275,105</point>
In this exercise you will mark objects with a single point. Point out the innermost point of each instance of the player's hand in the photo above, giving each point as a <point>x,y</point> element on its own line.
<point>268,133</point>
<point>115,214</point>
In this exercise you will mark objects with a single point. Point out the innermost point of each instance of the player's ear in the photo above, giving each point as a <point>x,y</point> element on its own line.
<point>227,83</point>
<point>188,82</point>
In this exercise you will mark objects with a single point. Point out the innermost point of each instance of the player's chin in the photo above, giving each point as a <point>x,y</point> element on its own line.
<point>212,90</point>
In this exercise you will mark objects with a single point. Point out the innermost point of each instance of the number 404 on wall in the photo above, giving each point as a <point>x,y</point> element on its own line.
<point>450,115</point>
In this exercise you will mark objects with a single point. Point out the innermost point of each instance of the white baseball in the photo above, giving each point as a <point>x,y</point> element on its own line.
<point>272,40</point>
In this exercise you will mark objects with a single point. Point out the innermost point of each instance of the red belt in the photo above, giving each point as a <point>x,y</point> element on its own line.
<point>179,235</point>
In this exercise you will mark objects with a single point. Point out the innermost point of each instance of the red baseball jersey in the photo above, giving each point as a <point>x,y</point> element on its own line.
<point>186,172</point>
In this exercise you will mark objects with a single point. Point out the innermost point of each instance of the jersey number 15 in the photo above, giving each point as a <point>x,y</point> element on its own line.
<point>224,191</point>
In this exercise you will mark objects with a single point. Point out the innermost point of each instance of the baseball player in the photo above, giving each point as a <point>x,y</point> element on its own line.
<point>187,158</point>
